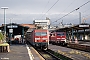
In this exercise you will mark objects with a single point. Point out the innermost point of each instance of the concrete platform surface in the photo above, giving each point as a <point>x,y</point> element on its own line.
<point>17,52</point>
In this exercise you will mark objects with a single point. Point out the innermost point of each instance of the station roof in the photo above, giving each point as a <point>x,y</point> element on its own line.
<point>75,27</point>
<point>29,25</point>
<point>16,28</point>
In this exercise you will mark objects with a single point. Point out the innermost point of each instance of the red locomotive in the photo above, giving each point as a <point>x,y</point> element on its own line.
<point>57,38</point>
<point>38,38</point>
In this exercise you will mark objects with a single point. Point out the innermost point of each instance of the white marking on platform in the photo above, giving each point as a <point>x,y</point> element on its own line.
<point>29,52</point>
<point>4,58</point>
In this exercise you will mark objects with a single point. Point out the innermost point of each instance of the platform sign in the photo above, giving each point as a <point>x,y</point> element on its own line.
<point>12,26</point>
<point>83,25</point>
<point>10,30</point>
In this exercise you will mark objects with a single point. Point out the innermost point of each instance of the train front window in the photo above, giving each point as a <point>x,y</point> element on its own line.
<point>37,33</point>
<point>43,33</point>
<point>60,34</point>
<point>40,33</point>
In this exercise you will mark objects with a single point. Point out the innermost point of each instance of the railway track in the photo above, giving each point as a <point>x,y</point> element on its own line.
<point>43,55</point>
<point>71,53</point>
<point>47,55</point>
<point>51,55</point>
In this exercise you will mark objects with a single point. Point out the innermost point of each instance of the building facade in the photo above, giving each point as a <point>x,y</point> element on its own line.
<point>44,24</point>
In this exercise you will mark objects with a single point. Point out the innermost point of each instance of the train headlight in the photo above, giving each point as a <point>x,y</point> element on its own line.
<point>46,40</point>
<point>65,40</point>
<point>35,40</point>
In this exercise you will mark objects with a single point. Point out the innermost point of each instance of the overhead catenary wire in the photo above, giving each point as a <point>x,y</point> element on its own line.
<point>51,7</point>
<point>83,15</point>
<point>86,10</point>
<point>68,6</point>
<point>72,11</point>
<point>45,7</point>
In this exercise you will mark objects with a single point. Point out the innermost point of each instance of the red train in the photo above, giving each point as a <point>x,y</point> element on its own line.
<point>38,38</point>
<point>57,38</point>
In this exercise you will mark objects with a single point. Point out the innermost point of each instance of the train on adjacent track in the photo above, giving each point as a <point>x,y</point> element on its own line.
<point>58,38</point>
<point>39,38</point>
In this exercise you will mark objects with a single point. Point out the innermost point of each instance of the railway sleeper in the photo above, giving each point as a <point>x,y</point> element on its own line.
<point>59,56</point>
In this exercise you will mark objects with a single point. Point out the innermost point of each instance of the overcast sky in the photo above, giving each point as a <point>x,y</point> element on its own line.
<point>25,11</point>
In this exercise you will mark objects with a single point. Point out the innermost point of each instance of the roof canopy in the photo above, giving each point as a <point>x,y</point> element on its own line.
<point>75,27</point>
<point>16,28</point>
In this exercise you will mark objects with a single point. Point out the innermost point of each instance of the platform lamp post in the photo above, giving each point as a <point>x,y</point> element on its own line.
<point>4,8</point>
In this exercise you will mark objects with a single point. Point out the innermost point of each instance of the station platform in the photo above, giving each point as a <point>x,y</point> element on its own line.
<point>17,52</point>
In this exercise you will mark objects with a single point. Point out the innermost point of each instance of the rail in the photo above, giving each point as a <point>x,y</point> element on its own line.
<point>52,55</point>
